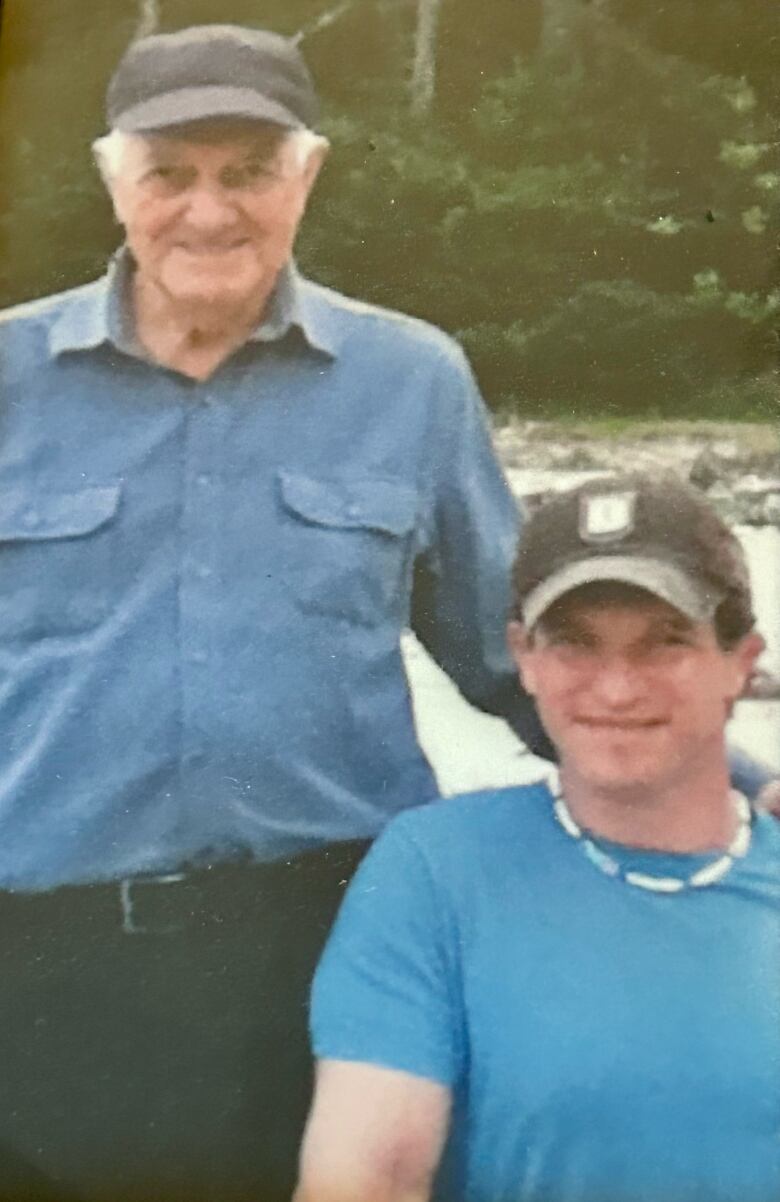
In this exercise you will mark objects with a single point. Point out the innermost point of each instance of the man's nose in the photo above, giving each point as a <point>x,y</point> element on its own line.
<point>209,206</point>
<point>619,682</point>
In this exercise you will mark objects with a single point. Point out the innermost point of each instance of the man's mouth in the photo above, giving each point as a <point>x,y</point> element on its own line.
<point>620,724</point>
<point>214,249</point>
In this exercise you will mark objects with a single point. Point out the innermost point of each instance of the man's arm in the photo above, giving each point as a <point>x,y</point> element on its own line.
<point>373,1135</point>
<point>388,1029</point>
<point>461,596</point>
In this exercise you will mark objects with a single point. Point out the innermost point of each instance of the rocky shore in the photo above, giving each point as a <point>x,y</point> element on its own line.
<point>737,464</point>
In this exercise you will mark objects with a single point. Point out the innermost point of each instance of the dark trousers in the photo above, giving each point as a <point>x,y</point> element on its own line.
<point>153,1042</point>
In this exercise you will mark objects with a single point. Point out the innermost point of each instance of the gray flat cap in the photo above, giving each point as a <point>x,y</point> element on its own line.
<point>211,72</point>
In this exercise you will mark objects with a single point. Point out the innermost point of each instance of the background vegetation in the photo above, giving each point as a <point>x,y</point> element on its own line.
<point>585,192</point>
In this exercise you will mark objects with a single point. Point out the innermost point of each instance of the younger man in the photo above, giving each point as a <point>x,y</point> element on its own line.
<point>576,982</point>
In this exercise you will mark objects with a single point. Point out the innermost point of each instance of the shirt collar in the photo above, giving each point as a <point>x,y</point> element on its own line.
<point>101,312</point>
<point>294,304</point>
<point>83,322</point>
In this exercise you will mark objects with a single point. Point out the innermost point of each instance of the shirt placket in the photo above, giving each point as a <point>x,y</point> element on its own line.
<point>202,499</point>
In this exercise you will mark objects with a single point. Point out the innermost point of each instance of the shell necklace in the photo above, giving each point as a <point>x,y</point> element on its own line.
<point>714,871</point>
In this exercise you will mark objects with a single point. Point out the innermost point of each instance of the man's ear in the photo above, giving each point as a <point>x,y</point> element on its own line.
<point>521,647</point>
<point>314,162</point>
<point>108,154</point>
<point>743,661</point>
<point>114,189</point>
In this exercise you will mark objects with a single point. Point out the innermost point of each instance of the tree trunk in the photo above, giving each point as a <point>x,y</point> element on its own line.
<point>562,22</point>
<point>423,82</point>
<point>323,20</point>
<point>148,18</point>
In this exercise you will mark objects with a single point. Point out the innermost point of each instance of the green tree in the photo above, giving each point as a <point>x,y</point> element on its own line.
<point>596,229</point>
<point>589,205</point>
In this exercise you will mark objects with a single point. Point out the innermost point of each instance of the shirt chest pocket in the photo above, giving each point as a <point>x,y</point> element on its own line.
<point>55,561</point>
<point>347,545</point>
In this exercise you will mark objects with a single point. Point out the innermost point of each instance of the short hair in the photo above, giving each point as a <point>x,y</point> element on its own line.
<point>109,149</point>
<point>732,620</point>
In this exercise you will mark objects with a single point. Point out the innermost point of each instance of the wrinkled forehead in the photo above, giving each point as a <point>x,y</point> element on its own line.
<point>218,131</point>
<point>203,142</point>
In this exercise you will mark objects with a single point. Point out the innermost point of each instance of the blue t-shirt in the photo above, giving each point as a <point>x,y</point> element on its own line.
<point>604,1043</point>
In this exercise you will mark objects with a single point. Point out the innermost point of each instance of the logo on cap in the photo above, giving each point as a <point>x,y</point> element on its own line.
<point>606,517</point>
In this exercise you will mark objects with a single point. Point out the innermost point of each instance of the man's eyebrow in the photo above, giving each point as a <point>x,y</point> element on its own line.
<point>261,150</point>
<point>564,624</point>
<point>675,622</point>
<point>153,156</point>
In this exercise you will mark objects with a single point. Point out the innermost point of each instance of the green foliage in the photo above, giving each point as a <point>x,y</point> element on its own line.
<point>592,244</point>
<point>594,225</point>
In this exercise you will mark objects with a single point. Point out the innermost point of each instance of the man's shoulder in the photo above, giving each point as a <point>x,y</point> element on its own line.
<point>467,820</point>
<point>396,329</point>
<point>451,850</point>
<point>766,837</point>
<point>47,310</point>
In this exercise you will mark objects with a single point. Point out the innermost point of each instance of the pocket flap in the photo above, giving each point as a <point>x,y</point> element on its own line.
<point>56,515</point>
<point>368,503</point>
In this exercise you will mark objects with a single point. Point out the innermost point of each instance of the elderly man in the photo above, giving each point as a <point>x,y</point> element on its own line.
<point>225,493</point>
<point>577,982</point>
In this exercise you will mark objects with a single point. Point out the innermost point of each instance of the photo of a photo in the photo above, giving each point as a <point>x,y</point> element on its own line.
<point>389,601</point>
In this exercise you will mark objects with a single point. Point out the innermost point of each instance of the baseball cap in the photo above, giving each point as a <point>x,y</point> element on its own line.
<point>652,531</point>
<point>211,71</point>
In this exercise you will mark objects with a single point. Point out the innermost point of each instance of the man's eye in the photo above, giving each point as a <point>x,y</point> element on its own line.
<point>169,178</point>
<point>252,174</point>
<point>668,644</point>
<point>571,642</point>
<point>257,169</point>
<point>675,638</point>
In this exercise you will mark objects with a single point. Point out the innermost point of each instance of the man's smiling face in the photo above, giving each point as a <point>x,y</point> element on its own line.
<point>633,693</point>
<point>212,222</point>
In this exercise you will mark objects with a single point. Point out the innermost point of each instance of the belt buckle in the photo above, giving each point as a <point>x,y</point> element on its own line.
<point>127,887</point>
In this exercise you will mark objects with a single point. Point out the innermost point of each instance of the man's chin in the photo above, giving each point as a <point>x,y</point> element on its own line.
<point>621,780</point>
<point>618,770</point>
<point>203,295</point>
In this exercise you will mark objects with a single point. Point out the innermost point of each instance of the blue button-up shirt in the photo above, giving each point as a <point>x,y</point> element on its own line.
<point>203,584</point>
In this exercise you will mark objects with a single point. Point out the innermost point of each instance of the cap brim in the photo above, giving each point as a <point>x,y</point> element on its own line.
<point>656,576</point>
<point>201,104</point>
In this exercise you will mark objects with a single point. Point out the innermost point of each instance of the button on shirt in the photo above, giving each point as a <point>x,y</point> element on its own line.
<point>203,584</point>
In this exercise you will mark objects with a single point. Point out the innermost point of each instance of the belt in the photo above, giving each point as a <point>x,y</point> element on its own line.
<point>193,898</point>
<point>133,891</point>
